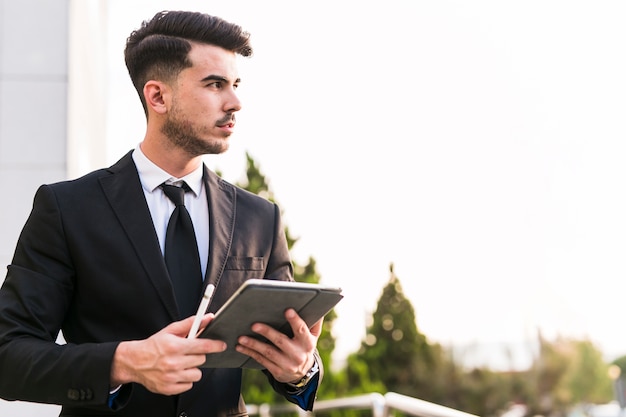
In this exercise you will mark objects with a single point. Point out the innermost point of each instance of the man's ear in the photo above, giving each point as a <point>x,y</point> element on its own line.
<point>157,96</point>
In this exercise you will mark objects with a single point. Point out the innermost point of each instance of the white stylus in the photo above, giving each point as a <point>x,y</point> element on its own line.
<point>204,304</point>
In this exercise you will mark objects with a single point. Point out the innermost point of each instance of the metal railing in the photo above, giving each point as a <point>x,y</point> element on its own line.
<point>380,405</point>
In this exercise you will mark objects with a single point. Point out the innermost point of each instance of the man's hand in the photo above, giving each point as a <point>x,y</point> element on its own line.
<point>166,362</point>
<point>288,359</point>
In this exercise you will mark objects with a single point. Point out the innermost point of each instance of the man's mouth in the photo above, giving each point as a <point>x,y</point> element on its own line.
<point>228,121</point>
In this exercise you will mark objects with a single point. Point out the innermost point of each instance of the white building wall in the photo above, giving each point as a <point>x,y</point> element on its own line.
<point>33,103</point>
<point>41,141</point>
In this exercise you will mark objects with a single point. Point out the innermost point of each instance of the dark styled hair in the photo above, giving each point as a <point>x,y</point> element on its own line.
<point>159,48</point>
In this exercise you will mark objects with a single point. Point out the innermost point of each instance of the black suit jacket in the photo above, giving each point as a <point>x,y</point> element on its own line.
<point>88,263</point>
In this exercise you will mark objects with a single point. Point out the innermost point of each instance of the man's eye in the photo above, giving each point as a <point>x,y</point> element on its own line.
<point>216,84</point>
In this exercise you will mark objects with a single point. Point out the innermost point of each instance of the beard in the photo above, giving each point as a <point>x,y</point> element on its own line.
<point>184,135</point>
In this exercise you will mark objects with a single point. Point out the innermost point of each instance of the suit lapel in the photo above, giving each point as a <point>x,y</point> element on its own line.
<point>222,199</point>
<point>125,194</point>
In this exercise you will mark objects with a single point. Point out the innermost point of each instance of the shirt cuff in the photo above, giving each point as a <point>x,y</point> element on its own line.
<point>305,396</point>
<point>113,394</point>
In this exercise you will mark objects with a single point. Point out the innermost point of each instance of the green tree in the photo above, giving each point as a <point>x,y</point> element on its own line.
<point>568,372</point>
<point>482,390</point>
<point>255,388</point>
<point>586,379</point>
<point>617,372</point>
<point>621,363</point>
<point>396,354</point>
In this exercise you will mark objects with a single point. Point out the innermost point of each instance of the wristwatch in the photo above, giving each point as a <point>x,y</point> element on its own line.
<point>307,377</point>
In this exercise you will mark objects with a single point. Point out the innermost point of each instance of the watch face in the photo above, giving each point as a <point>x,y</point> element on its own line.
<point>309,375</point>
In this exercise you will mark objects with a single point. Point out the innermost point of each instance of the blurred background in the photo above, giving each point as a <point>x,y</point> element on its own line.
<point>477,146</point>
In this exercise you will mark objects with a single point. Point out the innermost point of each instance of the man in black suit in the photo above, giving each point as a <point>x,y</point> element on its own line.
<point>89,261</point>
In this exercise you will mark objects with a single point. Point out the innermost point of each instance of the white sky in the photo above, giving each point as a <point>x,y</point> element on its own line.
<point>477,145</point>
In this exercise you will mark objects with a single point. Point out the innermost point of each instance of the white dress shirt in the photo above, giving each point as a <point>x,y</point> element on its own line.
<point>161,207</point>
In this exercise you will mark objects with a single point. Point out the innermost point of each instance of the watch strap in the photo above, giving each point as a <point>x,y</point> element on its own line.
<point>307,377</point>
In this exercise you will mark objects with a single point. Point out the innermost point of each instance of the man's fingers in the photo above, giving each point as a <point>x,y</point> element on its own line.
<point>206,320</point>
<point>298,326</point>
<point>316,329</point>
<point>182,327</point>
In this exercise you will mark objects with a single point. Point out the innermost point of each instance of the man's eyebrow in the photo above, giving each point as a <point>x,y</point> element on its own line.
<point>219,78</point>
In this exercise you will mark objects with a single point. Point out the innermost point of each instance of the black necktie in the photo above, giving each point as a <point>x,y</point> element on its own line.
<point>181,253</point>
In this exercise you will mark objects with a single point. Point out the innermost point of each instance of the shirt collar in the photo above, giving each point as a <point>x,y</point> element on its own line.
<point>152,176</point>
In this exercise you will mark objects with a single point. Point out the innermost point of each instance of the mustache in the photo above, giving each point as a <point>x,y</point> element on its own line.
<point>227,119</point>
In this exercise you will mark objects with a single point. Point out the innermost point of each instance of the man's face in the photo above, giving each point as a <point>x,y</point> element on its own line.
<point>201,115</point>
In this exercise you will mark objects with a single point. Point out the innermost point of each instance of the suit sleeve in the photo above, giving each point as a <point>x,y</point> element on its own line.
<point>34,301</point>
<point>305,398</point>
<point>279,267</point>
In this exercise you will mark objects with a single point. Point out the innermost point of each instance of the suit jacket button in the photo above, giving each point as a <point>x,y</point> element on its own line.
<point>85,394</point>
<point>73,394</point>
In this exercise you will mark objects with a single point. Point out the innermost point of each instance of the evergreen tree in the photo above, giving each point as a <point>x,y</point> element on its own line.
<point>255,388</point>
<point>396,354</point>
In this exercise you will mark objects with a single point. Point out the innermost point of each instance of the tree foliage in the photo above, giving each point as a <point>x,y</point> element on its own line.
<point>255,388</point>
<point>567,372</point>
<point>396,353</point>
<point>395,356</point>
